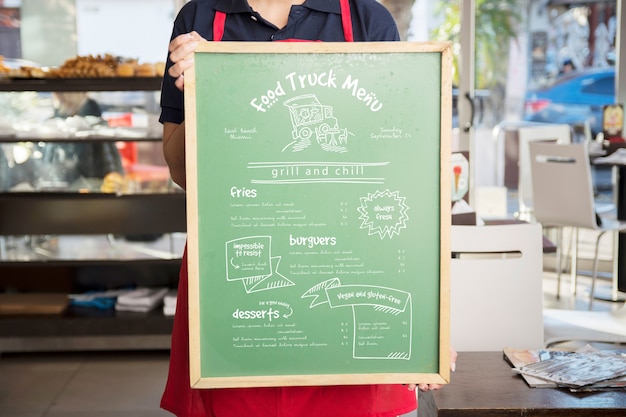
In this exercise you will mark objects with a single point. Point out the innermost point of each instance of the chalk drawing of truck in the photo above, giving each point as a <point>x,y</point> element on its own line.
<point>309,118</point>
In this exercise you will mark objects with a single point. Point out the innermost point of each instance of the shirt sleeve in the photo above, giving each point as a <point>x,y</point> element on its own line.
<point>372,22</point>
<point>172,101</point>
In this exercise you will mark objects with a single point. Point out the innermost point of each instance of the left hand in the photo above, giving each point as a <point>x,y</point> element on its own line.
<point>430,387</point>
<point>180,49</point>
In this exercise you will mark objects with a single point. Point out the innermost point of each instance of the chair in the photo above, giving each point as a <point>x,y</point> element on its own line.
<point>563,197</point>
<point>496,295</point>
<point>585,327</point>
<point>559,133</point>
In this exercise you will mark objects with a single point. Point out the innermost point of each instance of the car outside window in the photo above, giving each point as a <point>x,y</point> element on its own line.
<point>605,86</point>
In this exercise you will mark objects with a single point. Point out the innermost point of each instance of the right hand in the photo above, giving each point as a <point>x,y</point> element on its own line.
<point>180,49</point>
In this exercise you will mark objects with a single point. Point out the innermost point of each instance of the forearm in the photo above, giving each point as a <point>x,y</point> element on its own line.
<point>174,151</point>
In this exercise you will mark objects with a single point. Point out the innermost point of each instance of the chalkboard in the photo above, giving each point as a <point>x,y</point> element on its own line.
<point>318,198</point>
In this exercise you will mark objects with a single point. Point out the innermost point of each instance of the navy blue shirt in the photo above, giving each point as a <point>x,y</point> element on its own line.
<point>315,20</point>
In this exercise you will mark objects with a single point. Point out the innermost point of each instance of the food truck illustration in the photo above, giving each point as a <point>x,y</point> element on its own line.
<point>309,117</point>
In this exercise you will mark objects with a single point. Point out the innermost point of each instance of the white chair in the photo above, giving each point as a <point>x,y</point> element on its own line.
<point>585,327</point>
<point>563,197</point>
<point>496,297</point>
<point>559,133</point>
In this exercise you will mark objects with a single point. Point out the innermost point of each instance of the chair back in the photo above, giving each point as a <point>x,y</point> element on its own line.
<point>562,187</point>
<point>559,133</point>
<point>496,295</point>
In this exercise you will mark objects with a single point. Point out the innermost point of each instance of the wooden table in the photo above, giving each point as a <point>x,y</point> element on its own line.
<point>484,386</point>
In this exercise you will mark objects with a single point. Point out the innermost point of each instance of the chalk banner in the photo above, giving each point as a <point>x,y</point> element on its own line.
<point>318,194</point>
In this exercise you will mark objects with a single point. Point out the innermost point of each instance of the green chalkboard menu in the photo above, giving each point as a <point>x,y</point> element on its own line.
<point>318,194</point>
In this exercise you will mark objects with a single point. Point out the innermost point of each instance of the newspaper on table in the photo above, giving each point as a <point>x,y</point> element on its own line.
<point>587,369</point>
<point>578,369</point>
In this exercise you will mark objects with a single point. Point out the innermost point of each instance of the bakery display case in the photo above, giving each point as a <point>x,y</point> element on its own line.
<point>86,206</point>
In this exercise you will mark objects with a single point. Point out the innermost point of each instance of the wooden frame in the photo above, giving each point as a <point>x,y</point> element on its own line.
<point>318,209</point>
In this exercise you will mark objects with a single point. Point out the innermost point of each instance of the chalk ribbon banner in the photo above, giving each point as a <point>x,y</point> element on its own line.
<point>318,189</point>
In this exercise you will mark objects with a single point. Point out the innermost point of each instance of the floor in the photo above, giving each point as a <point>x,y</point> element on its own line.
<point>125,384</point>
<point>129,384</point>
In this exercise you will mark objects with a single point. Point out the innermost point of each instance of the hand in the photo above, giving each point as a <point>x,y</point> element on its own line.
<point>180,49</point>
<point>430,387</point>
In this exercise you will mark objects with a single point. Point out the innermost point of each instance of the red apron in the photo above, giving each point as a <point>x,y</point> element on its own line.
<point>346,20</point>
<point>180,399</point>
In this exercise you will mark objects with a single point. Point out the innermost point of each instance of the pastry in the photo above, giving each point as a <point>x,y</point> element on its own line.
<point>125,69</point>
<point>145,70</point>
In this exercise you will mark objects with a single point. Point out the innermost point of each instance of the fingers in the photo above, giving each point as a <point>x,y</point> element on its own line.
<point>426,387</point>
<point>196,36</point>
<point>177,71</point>
<point>183,45</point>
<point>185,39</point>
<point>180,82</point>
<point>453,356</point>
<point>181,48</point>
<point>431,387</point>
<point>179,68</point>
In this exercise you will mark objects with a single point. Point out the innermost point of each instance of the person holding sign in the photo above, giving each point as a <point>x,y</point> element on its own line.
<point>264,20</point>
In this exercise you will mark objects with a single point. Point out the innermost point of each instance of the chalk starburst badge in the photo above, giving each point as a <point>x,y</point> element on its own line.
<point>383,213</point>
